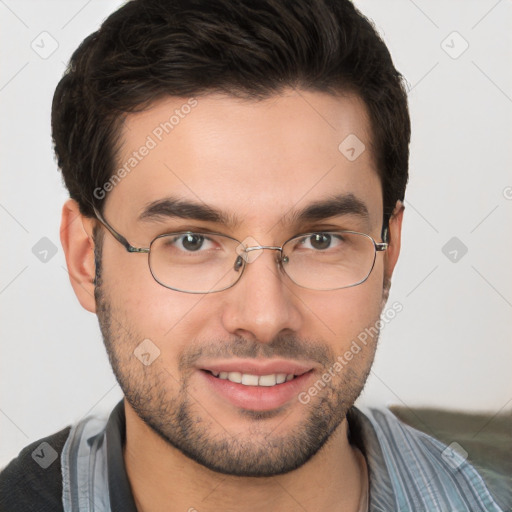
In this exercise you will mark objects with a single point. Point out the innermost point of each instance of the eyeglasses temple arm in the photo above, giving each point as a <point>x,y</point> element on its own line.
<point>382,246</point>
<point>120,238</point>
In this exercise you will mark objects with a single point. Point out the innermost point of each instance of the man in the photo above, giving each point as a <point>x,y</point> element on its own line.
<point>237,173</point>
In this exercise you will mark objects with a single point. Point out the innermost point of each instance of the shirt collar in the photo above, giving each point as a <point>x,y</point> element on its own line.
<point>121,497</point>
<point>360,433</point>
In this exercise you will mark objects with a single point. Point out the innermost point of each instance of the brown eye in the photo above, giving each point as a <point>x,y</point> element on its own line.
<point>192,242</point>
<point>320,241</point>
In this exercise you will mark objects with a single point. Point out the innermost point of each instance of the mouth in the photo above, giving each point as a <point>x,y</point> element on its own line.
<point>249,379</point>
<point>256,385</point>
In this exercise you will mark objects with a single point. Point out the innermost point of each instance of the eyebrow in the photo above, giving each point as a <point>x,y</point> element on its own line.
<point>334,206</point>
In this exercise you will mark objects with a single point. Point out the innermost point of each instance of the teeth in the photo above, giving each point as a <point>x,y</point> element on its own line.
<point>248,379</point>
<point>267,380</point>
<point>235,377</point>
<point>280,378</point>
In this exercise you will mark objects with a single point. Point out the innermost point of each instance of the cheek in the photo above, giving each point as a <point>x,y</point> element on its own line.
<point>339,317</point>
<point>145,308</point>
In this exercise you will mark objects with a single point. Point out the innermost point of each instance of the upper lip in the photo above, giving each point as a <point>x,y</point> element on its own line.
<point>258,367</point>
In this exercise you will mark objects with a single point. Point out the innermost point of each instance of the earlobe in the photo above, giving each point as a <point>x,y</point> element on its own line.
<point>77,242</point>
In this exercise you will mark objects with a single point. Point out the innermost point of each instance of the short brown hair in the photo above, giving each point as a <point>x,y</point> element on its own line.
<point>246,48</point>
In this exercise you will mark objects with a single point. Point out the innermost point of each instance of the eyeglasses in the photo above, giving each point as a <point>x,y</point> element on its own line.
<point>204,262</point>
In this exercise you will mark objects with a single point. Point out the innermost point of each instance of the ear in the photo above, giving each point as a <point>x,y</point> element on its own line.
<point>395,236</point>
<point>77,242</point>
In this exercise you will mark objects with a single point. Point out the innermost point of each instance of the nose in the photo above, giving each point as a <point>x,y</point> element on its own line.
<point>263,304</point>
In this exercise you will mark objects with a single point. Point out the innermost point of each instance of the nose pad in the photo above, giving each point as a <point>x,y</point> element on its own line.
<point>281,261</point>
<point>238,263</point>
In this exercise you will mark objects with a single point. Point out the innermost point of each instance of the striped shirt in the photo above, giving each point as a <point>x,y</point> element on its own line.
<point>411,471</point>
<point>408,471</point>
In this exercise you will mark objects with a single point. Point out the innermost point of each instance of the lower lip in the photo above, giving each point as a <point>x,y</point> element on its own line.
<point>257,398</point>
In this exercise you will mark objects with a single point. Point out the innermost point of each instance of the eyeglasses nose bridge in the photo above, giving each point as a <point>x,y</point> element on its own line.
<point>252,248</point>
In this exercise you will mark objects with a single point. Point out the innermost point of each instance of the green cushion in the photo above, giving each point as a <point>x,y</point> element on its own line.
<point>486,437</point>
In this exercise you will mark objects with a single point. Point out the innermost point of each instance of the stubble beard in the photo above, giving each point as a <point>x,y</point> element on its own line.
<point>182,422</point>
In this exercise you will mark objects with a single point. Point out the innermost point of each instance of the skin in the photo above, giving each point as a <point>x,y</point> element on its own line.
<point>258,160</point>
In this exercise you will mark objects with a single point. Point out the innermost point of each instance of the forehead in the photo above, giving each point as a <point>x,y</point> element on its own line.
<point>257,160</point>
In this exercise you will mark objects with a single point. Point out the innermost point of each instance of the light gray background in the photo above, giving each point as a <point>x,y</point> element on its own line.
<point>450,346</point>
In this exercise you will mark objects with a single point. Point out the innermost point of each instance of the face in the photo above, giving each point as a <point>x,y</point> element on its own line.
<point>259,164</point>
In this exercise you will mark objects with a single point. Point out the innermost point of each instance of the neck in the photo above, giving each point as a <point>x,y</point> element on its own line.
<point>161,475</point>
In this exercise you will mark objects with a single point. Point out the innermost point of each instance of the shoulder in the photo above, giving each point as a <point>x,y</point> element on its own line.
<point>33,480</point>
<point>423,471</point>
